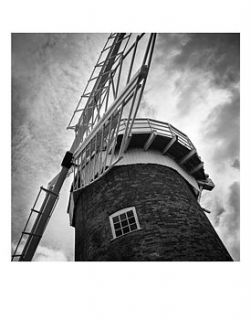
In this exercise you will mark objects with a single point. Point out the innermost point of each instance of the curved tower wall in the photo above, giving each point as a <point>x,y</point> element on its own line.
<point>173,227</point>
<point>162,189</point>
<point>136,156</point>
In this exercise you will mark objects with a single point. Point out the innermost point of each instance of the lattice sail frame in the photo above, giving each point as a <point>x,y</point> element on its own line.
<point>96,129</point>
<point>98,126</point>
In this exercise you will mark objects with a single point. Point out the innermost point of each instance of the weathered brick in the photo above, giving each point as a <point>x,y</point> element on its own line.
<point>173,225</point>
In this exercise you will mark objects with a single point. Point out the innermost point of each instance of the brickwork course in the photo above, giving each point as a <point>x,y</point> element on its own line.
<point>173,225</point>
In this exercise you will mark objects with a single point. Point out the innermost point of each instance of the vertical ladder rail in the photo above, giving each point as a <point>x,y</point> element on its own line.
<point>131,95</point>
<point>15,254</point>
<point>44,213</point>
<point>88,127</point>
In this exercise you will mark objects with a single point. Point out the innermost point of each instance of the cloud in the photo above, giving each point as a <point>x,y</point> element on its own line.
<point>223,126</point>
<point>219,210</point>
<point>48,76</point>
<point>193,83</point>
<point>217,54</point>
<point>224,204</point>
<point>146,110</point>
<point>236,163</point>
<point>229,226</point>
<point>195,86</point>
<point>48,254</point>
<point>43,253</point>
<point>200,62</point>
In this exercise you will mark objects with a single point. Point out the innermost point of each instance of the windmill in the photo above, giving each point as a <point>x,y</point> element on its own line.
<point>136,182</point>
<point>114,90</point>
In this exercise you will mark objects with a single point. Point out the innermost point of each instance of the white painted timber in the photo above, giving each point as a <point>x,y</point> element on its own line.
<point>136,156</point>
<point>139,156</point>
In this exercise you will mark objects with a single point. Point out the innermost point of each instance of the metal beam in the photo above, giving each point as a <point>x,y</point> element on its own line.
<point>197,168</point>
<point>141,74</point>
<point>42,220</point>
<point>170,143</point>
<point>188,156</point>
<point>150,140</point>
<point>127,142</point>
<point>91,123</point>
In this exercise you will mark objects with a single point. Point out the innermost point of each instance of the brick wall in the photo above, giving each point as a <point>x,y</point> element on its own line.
<point>173,226</point>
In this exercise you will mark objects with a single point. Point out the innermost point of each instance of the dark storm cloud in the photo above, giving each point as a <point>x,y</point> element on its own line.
<point>168,47</point>
<point>205,71</point>
<point>49,72</point>
<point>200,58</point>
<point>214,53</point>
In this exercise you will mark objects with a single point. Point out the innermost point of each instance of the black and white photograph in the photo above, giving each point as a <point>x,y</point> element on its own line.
<point>125,160</point>
<point>148,169</point>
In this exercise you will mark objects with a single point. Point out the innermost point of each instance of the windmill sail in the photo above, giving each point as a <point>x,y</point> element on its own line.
<point>114,89</point>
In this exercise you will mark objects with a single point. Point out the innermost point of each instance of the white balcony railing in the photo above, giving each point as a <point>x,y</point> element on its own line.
<point>141,126</point>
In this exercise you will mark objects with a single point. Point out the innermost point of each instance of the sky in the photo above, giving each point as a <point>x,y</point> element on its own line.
<point>193,84</point>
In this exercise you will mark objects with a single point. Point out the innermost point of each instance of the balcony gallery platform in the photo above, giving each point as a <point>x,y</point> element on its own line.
<point>153,142</point>
<point>162,137</point>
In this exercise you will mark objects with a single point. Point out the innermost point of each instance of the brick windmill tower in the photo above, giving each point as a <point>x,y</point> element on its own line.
<point>137,182</point>
<point>146,205</point>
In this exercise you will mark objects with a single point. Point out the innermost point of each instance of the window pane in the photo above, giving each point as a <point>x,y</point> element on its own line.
<point>133,226</point>
<point>118,233</point>
<point>115,219</point>
<point>124,223</point>
<point>126,230</point>
<point>122,216</point>
<point>130,214</point>
<point>117,226</point>
<point>132,220</point>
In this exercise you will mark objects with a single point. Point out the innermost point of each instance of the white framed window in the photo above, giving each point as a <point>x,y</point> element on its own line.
<point>124,221</point>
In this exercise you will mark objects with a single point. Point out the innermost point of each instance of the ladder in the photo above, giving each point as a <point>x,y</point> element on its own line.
<point>29,232</point>
<point>96,130</point>
<point>36,225</point>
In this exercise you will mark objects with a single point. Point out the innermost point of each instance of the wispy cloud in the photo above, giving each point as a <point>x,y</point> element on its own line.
<point>48,254</point>
<point>223,125</point>
<point>48,75</point>
<point>193,84</point>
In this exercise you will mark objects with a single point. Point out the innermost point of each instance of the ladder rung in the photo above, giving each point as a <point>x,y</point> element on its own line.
<point>106,48</point>
<point>100,75</point>
<point>16,255</point>
<point>71,127</point>
<point>109,58</point>
<point>92,94</point>
<point>49,191</point>
<point>39,212</point>
<point>86,95</point>
<point>93,79</point>
<point>32,234</point>
<point>78,110</point>
<point>100,64</point>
